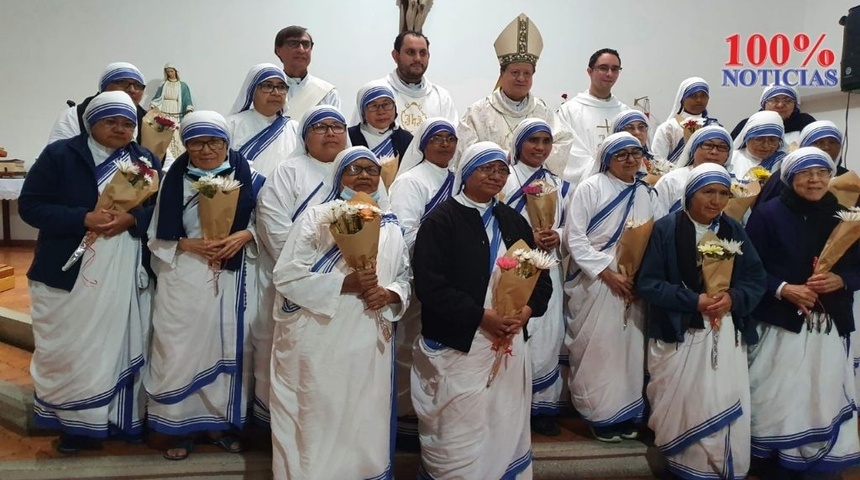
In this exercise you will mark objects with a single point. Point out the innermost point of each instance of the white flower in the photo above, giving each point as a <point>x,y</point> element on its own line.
<point>850,215</point>
<point>542,260</point>
<point>148,178</point>
<point>740,189</point>
<point>127,167</point>
<point>386,159</point>
<point>661,166</point>
<point>633,223</point>
<point>144,161</point>
<point>732,247</point>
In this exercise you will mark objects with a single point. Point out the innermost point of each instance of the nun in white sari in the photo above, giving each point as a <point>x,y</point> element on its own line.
<point>423,181</point>
<point>90,321</point>
<point>699,386</point>
<point>760,143</point>
<point>711,144</point>
<point>296,184</point>
<point>198,378</point>
<point>332,365</point>
<point>259,129</point>
<point>691,103</point>
<point>529,150</point>
<point>602,335</point>
<point>469,429</point>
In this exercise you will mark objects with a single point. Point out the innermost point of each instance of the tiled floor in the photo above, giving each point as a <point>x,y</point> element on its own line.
<point>19,258</point>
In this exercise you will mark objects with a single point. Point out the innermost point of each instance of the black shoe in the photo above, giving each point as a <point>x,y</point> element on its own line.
<point>606,434</point>
<point>76,443</point>
<point>545,426</point>
<point>628,430</point>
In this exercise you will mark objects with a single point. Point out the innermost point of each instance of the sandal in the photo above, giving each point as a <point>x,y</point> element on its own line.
<point>186,445</point>
<point>228,443</point>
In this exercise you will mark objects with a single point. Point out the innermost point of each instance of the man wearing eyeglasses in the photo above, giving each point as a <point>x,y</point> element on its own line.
<point>294,45</point>
<point>589,114</point>
<point>494,117</point>
<point>116,76</point>
<point>416,97</point>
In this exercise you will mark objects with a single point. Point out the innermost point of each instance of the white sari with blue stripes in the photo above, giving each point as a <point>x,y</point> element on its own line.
<point>199,376</point>
<point>670,189</point>
<point>607,361</point>
<point>466,429</point>
<point>82,388</point>
<point>413,195</point>
<point>332,374</point>
<point>546,333</point>
<point>264,142</point>
<point>700,415</point>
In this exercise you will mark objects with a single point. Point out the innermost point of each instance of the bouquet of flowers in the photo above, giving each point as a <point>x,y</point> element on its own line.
<point>540,204</point>
<point>156,132</point>
<point>758,173</point>
<point>744,193</point>
<point>631,250</point>
<point>655,169</point>
<point>355,225</point>
<point>513,283</point>
<point>389,164</point>
<point>219,197</point>
<point>841,238</point>
<point>718,260</point>
<point>846,188</point>
<point>134,182</point>
<point>690,125</point>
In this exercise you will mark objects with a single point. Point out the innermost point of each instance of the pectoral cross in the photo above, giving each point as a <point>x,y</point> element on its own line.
<point>607,126</point>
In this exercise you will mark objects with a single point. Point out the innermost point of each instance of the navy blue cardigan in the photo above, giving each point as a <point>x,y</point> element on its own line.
<point>60,189</point>
<point>780,235</point>
<point>672,306</point>
<point>399,137</point>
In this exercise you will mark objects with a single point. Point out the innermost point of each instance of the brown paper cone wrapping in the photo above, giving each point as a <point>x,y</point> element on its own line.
<point>631,248</point>
<point>846,188</point>
<point>840,240</point>
<point>359,249</point>
<point>120,194</point>
<point>738,206</point>
<point>717,275</point>
<point>151,138</point>
<point>541,210</point>
<point>389,171</point>
<point>511,293</point>
<point>216,214</point>
<point>687,133</point>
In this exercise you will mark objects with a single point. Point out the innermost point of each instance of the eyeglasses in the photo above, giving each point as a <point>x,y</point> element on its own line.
<point>720,147</point>
<point>266,87</point>
<point>126,84</point>
<point>439,139</point>
<point>197,145</point>
<point>810,173</point>
<point>761,141</point>
<point>322,128</point>
<point>354,170</point>
<point>306,44</point>
<point>785,100</point>
<point>121,124</point>
<point>633,127</point>
<point>488,170</point>
<point>607,69</point>
<point>625,155</point>
<point>378,107</point>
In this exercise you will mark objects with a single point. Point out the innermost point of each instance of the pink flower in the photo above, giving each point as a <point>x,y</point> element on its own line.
<point>165,122</point>
<point>506,263</point>
<point>532,189</point>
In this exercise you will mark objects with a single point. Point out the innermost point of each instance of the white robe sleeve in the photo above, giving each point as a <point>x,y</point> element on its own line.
<point>331,98</point>
<point>666,196</point>
<point>407,202</point>
<point>583,206</point>
<point>563,138</point>
<point>275,207</point>
<point>66,125</point>
<point>663,142</point>
<point>162,250</point>
<point>396,256</point>
<point>467,133</point>
<point>316,292</point>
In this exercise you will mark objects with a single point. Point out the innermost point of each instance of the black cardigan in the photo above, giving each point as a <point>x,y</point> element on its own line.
<point>451,270</point>
<point>400,137</point>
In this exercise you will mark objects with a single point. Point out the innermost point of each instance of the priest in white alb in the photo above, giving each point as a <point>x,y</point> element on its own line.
<point>495,117</point>
<point>294,45</point>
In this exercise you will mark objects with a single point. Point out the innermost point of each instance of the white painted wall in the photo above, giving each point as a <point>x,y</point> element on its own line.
<point>55,50</point>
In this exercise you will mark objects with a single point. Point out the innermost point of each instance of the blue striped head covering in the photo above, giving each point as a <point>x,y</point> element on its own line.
<point>614,144</point>
<point>109,104</point>
<point>414,155</point>
<point>436,126</point>
<point>705,174</point>
<point>118,71</point>
<point>762,124</point>
<point>370,92</point>
<point>523,132</point>
<point>626,117</point>
<point>256,75</point>
<point>346,157</point>
<point>477,155</point>
<point>702,135</point>
<point>776,90</point>
<point>801,159</point>
<point>204,123</point>
<point>318,114</point>
<point>815,131</point>
<point>692,86</point>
